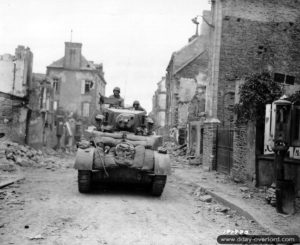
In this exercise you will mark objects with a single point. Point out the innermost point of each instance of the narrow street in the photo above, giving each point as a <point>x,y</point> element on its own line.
<point>203,96</point>
<point>46,208</point>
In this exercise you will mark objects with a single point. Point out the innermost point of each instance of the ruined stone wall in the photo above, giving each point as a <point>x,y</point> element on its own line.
<point>13,117</point>
<point>16,72</point>
<point>41,128</point>
<point>159,101</point>
<point>190,78</point>
<point>7,71</point>
<point>15,81</point>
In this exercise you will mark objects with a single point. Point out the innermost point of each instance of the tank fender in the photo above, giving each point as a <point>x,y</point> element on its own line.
<point>84,159</point>
<point>162,164</point>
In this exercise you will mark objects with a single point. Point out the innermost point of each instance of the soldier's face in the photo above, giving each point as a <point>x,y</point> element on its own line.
<point>116,92</point>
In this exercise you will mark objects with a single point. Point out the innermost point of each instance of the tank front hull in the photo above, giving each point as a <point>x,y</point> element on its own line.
<point>122,175</point>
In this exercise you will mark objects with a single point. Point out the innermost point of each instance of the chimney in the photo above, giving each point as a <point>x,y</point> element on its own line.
<point>72,58</point>
<point>206,18</point>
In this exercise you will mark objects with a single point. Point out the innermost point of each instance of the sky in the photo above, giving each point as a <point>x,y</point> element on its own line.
<point>133,39</point>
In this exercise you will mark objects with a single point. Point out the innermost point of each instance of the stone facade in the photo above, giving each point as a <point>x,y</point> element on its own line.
<point>15,82</point>
<point>209,144</point>
<point>76,82</point>
<point>250,37</point>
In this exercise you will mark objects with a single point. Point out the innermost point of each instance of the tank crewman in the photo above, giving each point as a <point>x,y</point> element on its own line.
<point>137,107</point>
<point>116,95</point>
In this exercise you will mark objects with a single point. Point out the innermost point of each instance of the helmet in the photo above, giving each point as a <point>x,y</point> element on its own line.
<point>117,89</point>
<point>136,102</point>
<point>99,117</point>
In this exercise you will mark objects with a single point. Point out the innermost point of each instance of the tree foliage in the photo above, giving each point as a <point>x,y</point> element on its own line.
<point>257,91</point>
<point>295,97</point>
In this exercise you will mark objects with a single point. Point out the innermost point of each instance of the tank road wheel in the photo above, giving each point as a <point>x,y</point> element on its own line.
<point>158,185</point>
<point>84,181</point>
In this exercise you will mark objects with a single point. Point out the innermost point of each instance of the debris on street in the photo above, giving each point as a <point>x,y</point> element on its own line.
<point>14,156</point>
<point>22,155</point>
<point>205,198</point>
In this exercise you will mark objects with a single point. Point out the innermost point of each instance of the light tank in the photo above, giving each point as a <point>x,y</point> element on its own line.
<point>122,149</point>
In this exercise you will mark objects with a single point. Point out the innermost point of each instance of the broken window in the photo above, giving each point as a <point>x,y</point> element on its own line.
<point>85,109</point>
<point>86,86</point>
<point>282,78</point>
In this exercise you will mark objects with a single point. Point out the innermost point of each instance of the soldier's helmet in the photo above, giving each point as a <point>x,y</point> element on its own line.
<point>99,117</point>
<point>136,102</point>
<point>117,89</point>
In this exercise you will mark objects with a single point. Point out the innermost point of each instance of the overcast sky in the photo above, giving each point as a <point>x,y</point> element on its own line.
<point>134,39</point>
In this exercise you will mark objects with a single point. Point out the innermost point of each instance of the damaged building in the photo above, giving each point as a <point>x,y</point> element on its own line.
<point>186,74</point>
<point>15,81</point>
<point>41,125</point>
<point>159,107</point>
<point>186,81</point>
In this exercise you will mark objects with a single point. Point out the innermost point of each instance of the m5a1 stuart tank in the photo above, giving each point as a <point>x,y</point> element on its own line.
<point>122,149</point>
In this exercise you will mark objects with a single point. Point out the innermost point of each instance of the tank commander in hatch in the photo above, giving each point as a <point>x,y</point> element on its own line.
<point>137,107</point>
<point>116,95</point>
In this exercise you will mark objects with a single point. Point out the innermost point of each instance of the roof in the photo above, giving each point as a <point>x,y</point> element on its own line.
<point>85,64</point>
<point>188,53</point>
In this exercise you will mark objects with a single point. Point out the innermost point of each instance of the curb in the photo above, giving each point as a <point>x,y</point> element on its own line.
<point>235,207</point>
<point>10,182</point>
<point>239,210</point>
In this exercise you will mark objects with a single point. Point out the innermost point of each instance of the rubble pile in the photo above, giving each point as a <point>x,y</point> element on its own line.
<point>271,195</point>
<point>22,155</point>
<point>180,150</point>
